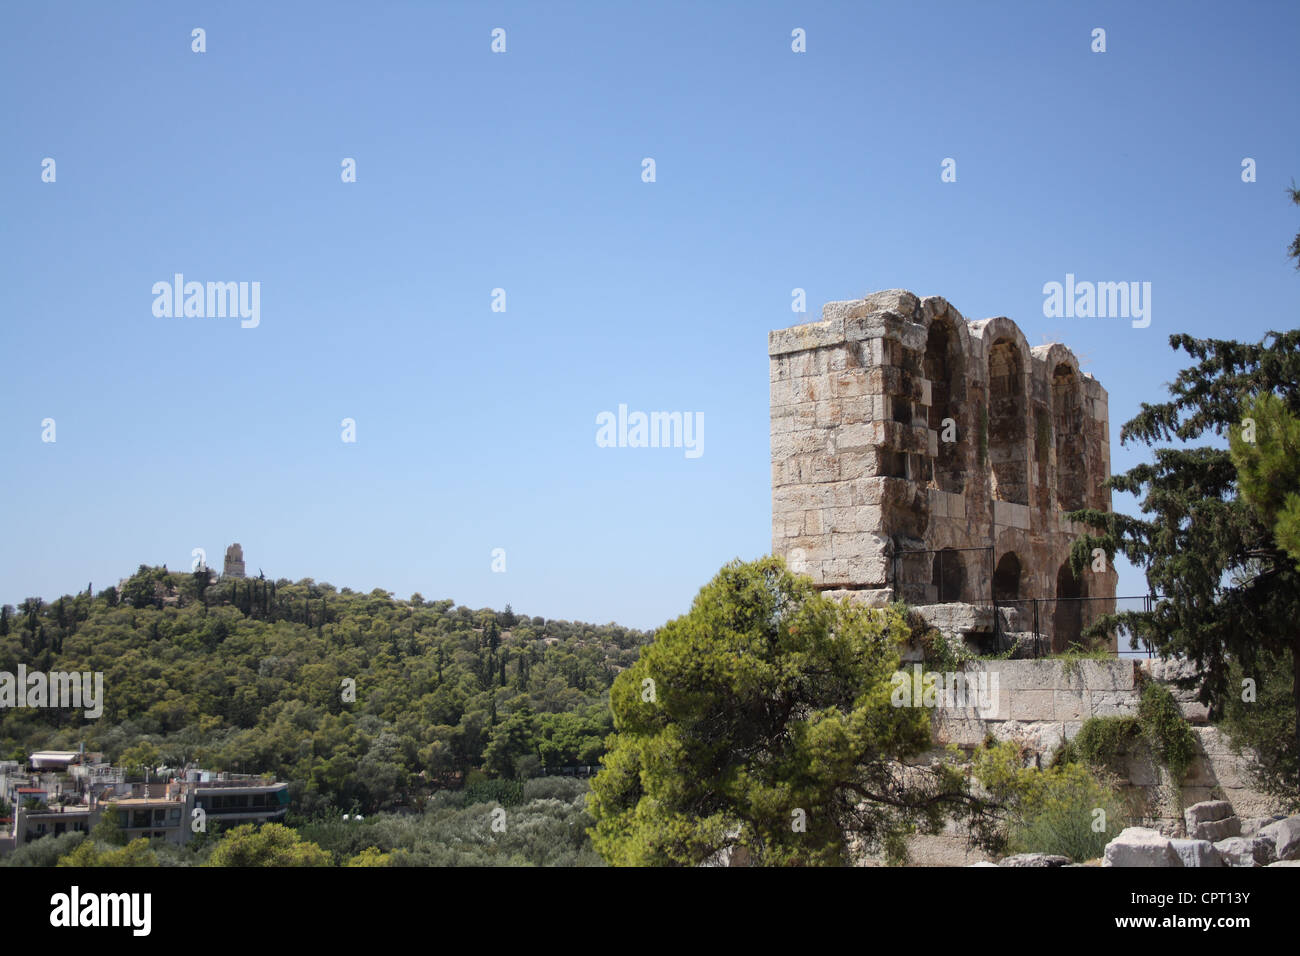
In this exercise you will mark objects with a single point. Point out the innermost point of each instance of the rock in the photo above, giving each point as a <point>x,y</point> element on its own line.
<point>1197,852</point>
<point>1252,825</point>
<point>1035,859</point>
<point>1245,851</point>
<point>1285,837</point>
<point>1211,820</point>
<point>1285,863</point>
<point>1215,830</point>
<point>1207,811</point>
<point>1140,846</point>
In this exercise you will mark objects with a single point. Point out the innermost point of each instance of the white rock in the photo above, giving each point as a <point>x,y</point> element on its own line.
<point>1197,852</point>
<point>1141,846</point>
<point>1285,837</point>
<point>1245,851</point>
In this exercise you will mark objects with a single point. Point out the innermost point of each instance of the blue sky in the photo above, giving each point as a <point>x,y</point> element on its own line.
<point>522,171</point>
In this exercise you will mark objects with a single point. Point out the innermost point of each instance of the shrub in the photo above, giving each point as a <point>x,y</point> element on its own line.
<point>1064,810</point>
<point>1159,725</point>
<point>45,851</point>
<point>1166,730</point>
<point>508,793</point>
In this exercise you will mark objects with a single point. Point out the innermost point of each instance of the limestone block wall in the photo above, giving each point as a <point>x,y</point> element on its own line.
<point>900,430</point>
<point>1044,702</point>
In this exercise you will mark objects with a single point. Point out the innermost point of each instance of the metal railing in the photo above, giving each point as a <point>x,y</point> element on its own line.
<point>1057,624</point>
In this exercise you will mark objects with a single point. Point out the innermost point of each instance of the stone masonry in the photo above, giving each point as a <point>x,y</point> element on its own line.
<point>234,563</point>
<point>907,442</point>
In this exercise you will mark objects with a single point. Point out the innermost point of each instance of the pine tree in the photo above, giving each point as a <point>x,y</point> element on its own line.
<point>1228,593</point>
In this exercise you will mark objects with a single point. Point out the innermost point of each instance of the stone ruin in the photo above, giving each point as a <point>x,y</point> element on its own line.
<point>234,563</point>
<point>918,456</point>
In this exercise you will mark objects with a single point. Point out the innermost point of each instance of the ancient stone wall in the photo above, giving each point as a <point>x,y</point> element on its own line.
<point>1040,704</point>
<point>922,457</point>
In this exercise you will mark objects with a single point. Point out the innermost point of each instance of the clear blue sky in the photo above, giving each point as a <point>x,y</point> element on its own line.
<point>476,429</point>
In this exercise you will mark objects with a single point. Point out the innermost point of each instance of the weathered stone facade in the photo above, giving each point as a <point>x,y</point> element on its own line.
<point>234,564</point>
<point>922,457</point>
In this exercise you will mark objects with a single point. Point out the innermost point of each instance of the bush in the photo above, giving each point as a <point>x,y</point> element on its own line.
<point>45,851</point>
<point>1266,725</point>
<point>567,789</point>
<point>1064,810</point>
<point>1166,730</point>
<point>1160,725</point>
<point>1100,740</point>
<point>508,793</point>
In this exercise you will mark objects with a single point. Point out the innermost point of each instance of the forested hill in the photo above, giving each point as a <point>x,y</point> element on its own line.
<point>253,675</point>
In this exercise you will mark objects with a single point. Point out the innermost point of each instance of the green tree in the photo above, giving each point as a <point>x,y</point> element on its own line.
<point>89,853</point>
<point>1294,251</point>
<point>139,590</point>
<point>1229,594</point>
<point>142,755</point>
<point>1052,810</point>
<point>274,844</point>
<point>511,740</point>
<point>762,720</point>
<point>370,856</point>
<point>1266,453</point>
<point>109,828</point>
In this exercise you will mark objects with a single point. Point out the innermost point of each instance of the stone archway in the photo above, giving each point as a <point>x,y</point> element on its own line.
<point>1007,429</point>
<point>948,576</point>
<point>1006,578</point>
<point>943,369</point>
<point>1067,612</point>
<point>1067,424</point>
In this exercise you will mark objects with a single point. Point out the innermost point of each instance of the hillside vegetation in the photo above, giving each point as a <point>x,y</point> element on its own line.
<point>254,676</point>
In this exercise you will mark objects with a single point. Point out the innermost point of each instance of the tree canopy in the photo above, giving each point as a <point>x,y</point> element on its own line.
<point>761,722</point>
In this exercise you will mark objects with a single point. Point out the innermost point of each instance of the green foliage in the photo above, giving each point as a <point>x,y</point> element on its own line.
<point>1054,810</point>
<point>1268,468</point>
<point>1166,730</point>
<point>47,851</point>
<point>246,676</point>
<point>370,856</point>
<point>1214,543</point>
<point>939,653</point>
<point>547,828</point>
<point>109,829</point>
<point>1294,251</point>
<point>90,853</point>
<point>1100,740</point>
<point>272,844</point>
<point>1262,722</point>
<point>762,719</point>
<point>507,793</point>
<point>1159,725</point>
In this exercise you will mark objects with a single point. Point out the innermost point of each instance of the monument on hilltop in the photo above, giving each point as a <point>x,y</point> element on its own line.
<point>234,564</point>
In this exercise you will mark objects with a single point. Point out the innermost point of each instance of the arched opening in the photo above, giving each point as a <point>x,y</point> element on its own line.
<point>1067,618</point>
<point>1008,451</point>
<point>942,367</point>
<point>948,576</point>
<point>1006,578</point>
<point>1067,423</point>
